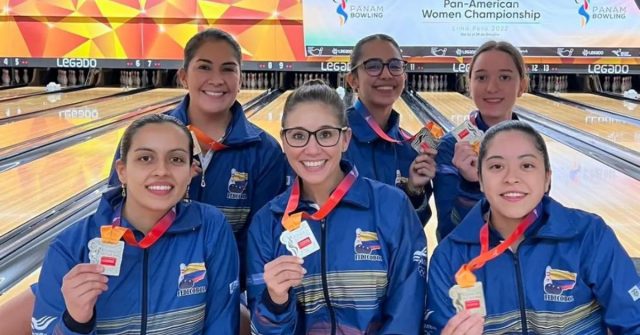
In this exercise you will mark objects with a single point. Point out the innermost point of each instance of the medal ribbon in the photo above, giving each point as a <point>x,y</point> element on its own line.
<point>376,127</point>
<point>112,234</point>
<point>205,140</point>
<point>292,222</point>
<point>465,277</point>
<point>433,128</point>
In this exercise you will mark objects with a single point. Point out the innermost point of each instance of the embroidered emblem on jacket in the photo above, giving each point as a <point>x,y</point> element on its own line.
<point>557,283</point>
<point>237,185</point>
<point>190,276</point>
<point>366,246</point>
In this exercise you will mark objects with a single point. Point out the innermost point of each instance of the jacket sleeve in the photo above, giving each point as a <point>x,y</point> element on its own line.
<point>270,182</point>
<point>403,308</point>
<point>614,281</point>
<point>223,292</point>
<point>49,305</point>
<point>421,204</point>
<point>266,317</point>
<point>454,196</point>
<point>441,278</point>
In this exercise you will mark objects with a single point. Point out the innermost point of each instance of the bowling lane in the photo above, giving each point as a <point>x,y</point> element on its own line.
<point>33,188</point>
<point>622,133</point>
<point>577,180</point>
<point>268,118</point>
<point>29,105</point>
<point>18,91</point>
<point>623,107</point>
<point>54,121</point>
<point>246,95</point>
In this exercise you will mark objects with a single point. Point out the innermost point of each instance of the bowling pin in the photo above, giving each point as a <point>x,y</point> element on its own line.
<point>145,80</point>
<point>16,76</point>
<point>72,78</point>
<point>6,79</point>
<point>25,76</point>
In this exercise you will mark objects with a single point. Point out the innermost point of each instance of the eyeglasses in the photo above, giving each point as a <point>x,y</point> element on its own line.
<point>375,66</point>
<point>325,137</point>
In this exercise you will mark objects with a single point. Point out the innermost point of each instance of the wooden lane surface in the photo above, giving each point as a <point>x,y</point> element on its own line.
<point>29,105</point>
<point>245,95</point>
<point>410,122</point>
<point>623,107</point>
<point>577,180</point>
<point>35,187</point>
<point>18,91</point>
<point>268,118</point>
<point>15,133</point>
<point>622,133</point>
<point>107,146</point>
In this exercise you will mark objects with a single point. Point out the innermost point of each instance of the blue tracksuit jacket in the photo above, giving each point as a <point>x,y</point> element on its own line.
<point>380,160</point>
<point>185,283</point>
<point>368,276</point>
<point>570,275</point>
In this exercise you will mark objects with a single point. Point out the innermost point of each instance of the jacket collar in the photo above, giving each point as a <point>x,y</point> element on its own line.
<point>186,220</point>
<point>482,125</point>
<point>361,129</point>
<point>358,195</point>
<point>239,132</point>
<point>553,223</point>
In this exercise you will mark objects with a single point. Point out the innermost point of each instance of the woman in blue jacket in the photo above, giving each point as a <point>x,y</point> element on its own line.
<point>336,253</point>
<point>380,149</point>
<point>540,267</point>
<point>497,78</point>
<point>178,270</point>
<point>241,167</point>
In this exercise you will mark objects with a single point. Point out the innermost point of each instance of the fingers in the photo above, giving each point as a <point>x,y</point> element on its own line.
<point>81,287</point>
<point>464,322</point>
<point>283,270</point>
<point>282,274</point>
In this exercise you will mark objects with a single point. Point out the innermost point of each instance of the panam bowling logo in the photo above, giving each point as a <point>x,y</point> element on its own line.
<point>190,276</point>
<point>341,10</point>
<point>237,185</point>
<point>584,11</point>
<point>557,283</point>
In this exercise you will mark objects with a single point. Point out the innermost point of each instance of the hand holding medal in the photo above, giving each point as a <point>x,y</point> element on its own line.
<point>81,287</point>
<point>282,274</point>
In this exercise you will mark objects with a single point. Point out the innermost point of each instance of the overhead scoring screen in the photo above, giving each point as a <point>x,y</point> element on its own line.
<point>565,28</point>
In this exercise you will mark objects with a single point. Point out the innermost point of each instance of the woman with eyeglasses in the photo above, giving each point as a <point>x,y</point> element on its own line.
<point>336,253</point>
<point>380,149</point>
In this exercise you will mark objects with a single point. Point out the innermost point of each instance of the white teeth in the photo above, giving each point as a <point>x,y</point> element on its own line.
<point>513,194</point>
<point>160,187</point>
<point>213,94</point>
<point>493,100</point>
<point>313,163</point>
<point>385,88</point>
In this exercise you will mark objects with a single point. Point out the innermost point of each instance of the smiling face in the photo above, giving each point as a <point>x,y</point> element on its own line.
<point>313,163</point>
<point>157,168</point>
<point>495,85</point>
<point>382,91</point>
<point>513,176</point>
<point>212,78</point>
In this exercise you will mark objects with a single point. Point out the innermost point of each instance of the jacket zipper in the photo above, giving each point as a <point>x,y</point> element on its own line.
<point>145,261</point>
<point>520,284</point>
<point>325,286</point>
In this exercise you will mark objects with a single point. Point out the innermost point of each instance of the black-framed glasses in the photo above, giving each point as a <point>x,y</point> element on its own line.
<point>325,137</point>
<point>375,66</point>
